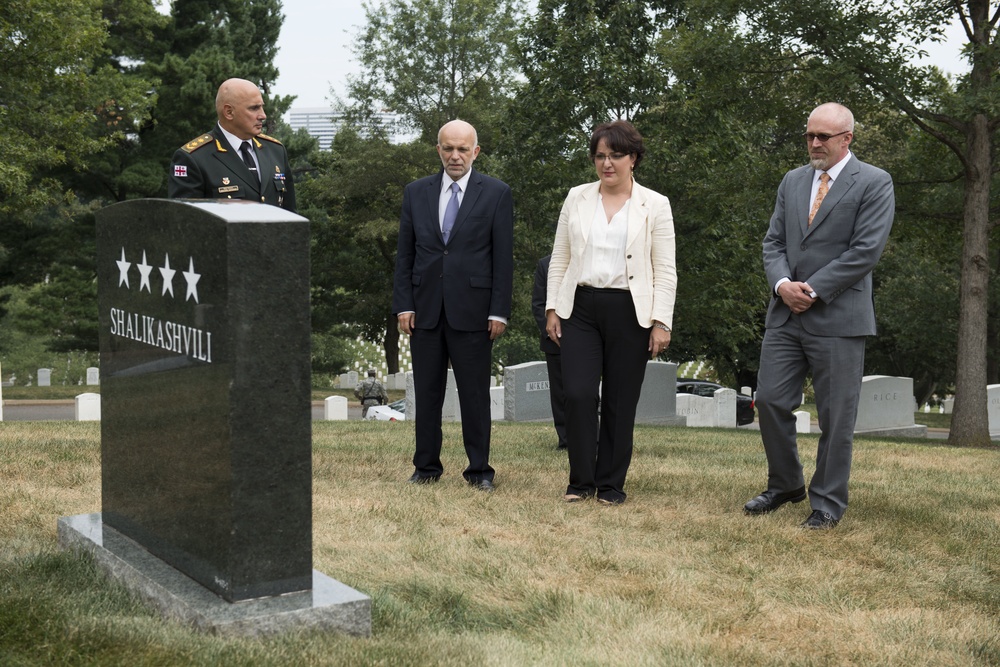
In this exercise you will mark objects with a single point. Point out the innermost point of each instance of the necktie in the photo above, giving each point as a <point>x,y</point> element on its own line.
<point>450,212</point>
<point>248,159</point>
<point>824,187</point>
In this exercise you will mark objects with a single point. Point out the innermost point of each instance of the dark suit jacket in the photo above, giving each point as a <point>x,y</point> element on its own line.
<point>473,275</point>
<point>836,254</point>
<point>538,304</point>
<point>208,168</point>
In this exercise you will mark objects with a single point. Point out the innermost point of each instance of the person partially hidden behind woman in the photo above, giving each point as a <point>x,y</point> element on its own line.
<point>611,289</point>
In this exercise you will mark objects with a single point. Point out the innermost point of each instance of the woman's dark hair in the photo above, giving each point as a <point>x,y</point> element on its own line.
<point>621,137</point>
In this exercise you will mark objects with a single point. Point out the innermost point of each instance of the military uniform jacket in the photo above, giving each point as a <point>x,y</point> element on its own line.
<point>208,168</point>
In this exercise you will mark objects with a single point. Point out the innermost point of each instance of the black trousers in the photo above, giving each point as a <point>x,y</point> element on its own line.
<point>604,354</point>
<point>557,396</point>
<point>470,353</point>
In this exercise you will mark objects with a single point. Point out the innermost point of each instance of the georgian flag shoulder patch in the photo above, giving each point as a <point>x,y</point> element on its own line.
<point>181,170</point>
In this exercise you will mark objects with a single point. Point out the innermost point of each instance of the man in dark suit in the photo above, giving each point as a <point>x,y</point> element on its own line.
<point>235,160</point>
<point>553,361</point>
<point>831,221</point>
<point>452,294</point>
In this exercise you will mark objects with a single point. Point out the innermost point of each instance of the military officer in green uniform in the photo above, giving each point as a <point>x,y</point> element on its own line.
<point>235,160</point>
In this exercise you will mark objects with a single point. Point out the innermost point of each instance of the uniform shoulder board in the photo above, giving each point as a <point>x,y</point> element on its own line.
<point>195,144</point>
<point>267,138</point>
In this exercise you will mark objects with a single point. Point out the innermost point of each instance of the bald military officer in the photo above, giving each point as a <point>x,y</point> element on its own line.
<point>235,160</point>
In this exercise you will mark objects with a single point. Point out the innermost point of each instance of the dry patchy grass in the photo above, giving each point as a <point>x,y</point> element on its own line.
<point>675,576</point>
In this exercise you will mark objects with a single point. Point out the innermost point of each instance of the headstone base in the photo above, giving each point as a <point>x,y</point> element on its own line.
<point>914,431</point>
<point>330,605</point>
<point>664,420</point>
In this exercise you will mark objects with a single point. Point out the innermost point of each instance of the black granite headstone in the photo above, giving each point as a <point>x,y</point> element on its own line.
<point>205,385</point>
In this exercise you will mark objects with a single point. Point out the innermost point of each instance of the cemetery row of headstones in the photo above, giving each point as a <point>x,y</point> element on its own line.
<point>886,404</point>
<point>392,381</point>
<point>44,378</point>
<point>886,407</point>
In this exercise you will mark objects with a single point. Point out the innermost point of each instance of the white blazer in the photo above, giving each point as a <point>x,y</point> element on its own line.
<point>650,262</point>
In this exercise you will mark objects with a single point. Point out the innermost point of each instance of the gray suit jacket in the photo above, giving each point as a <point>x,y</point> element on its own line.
<point>836,254</point>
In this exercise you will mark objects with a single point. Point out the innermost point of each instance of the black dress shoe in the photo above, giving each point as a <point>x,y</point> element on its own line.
<point>482,485</point>
<point>819,520</point>
<point>772,500</point>
<point>418,479</point>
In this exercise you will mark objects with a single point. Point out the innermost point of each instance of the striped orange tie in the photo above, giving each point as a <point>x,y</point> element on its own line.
<point>824,187</point>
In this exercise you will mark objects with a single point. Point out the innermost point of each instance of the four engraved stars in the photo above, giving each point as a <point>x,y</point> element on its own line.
<point>166,273</point>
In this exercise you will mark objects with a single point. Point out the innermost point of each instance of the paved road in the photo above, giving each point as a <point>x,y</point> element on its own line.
<point>19,411</point>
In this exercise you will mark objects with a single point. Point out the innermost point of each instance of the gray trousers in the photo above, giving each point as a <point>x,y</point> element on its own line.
<point>837,364</point>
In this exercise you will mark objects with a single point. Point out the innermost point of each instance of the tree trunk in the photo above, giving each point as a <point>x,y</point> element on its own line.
<point>391,344</point>
<point>969,421</point>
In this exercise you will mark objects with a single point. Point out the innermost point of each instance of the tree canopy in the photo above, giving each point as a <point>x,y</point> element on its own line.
<point>96,95</point>
<point>61,101</point>
<point>434,60</point>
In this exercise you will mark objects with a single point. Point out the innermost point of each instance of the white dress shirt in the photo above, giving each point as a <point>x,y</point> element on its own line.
<point>236,142</point>
<point>445,195</point>
<point>604,254</point>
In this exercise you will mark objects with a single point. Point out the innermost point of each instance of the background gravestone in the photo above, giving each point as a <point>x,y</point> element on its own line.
<point>885,407</point>
<point>411,398</point>
<point>993,409</point>
<point>451,411</point>
<point>658,397</point>
<point>526,392</point>
<point>496,403</point>
<point>206,431</point>
<point>87,407</point>
<point>724,406</point>
<point>695,410</point>
<point>335,408</point>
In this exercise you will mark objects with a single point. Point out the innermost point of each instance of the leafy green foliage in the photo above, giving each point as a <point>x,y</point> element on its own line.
<point>353,203</point>
<point>433,61</point>
<point>59,101</point>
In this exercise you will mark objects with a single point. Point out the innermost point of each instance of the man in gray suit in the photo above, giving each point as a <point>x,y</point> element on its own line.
<point>831,221</point>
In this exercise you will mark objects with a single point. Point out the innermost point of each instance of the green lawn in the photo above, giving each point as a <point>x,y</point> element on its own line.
<point>675,576</point>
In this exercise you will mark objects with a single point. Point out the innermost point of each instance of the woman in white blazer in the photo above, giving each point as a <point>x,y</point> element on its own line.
<point>609,305</point>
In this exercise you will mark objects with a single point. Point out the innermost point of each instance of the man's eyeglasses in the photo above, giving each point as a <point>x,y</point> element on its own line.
<point>601,157</point>
<point>810,137</point>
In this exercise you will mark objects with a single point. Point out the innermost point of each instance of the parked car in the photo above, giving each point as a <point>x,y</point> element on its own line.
<point>744,404</point>
<point>399,406</point>
<point>384,413</point>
